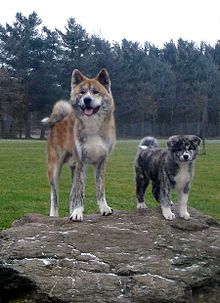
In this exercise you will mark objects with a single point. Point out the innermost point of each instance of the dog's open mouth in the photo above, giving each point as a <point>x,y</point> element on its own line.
<point>89,111</point>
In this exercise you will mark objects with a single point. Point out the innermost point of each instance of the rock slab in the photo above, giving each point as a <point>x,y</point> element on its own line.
<point>131,256</point>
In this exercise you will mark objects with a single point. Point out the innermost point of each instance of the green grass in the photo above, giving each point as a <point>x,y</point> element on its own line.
<point>24,187</point>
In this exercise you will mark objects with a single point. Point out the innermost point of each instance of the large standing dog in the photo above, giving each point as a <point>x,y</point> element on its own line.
<point>82,132</point>
<point>168,169</point>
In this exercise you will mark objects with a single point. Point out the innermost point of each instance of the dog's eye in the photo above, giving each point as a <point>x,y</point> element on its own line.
<point>95,92</point>
<point>83,91</point>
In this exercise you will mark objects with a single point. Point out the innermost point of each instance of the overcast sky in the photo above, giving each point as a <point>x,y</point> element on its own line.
<point>156,21</point>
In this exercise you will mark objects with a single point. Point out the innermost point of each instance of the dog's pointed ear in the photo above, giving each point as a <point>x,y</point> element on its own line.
<point>195,139</point>
<point>171,142</point>
<point>77,78</point>
<point>104,79</point>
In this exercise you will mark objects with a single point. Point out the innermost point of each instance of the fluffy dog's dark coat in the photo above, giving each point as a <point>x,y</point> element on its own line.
<point>168,169</point>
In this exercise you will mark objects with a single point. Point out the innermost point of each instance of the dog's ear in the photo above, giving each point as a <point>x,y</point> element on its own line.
<point>104,79</point>
<point>77,78</point>
<point>195,139</point>
<point>172,142</point>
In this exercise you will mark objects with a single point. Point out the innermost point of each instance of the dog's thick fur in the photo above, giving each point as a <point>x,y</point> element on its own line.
<point>82,132</point>
<point>168,169</point>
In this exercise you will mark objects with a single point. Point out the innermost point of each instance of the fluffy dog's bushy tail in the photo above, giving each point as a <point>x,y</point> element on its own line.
<point>60,110</point>
<point>148,142</point>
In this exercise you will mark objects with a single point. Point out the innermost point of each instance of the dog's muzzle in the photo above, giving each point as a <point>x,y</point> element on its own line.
<point>185,157</point>
<point>88,108</point>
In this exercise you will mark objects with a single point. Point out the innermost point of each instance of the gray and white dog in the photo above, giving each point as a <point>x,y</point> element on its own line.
<point>168,169</point>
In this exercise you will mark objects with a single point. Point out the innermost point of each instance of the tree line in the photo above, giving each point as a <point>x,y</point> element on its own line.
<point>157,91</point>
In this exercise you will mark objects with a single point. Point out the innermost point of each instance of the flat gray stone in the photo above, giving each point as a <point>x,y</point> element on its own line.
<point>131,256</point>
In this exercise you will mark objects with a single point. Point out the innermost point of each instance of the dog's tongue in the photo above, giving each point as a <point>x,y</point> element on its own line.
<point>88,111</point>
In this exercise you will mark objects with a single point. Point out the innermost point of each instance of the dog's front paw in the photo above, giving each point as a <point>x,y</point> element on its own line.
<point>106,210</point>
<point>141,205</point>
<point>185,215</point>
<point>170,216</point>
<point>77,214</point>
<point>167,213</point>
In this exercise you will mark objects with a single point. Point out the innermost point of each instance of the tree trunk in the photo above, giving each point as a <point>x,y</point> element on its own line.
<point>171,121</point>
<point>204,127</point>
<point>12,131</point>
<point>27,125</point>
<point>2,127</point>
<point>42,132</point>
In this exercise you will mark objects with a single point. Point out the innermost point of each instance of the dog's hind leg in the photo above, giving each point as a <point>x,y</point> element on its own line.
<point>77,192</point>
<point>142,182</point>
<point>105,210</point>
<point>54,169</point>
<point>141,185</point>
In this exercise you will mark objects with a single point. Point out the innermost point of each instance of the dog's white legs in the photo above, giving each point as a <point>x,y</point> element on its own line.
<point>77,193</point>
<point>167,213</point>
<point>141,205</point>
<point>77,214</point>
<point>105,210</point>
<point>163,196</point>
<point>141,185</point>
<point>54,176</point>
<point>54,201</point>
<point>183,198</point>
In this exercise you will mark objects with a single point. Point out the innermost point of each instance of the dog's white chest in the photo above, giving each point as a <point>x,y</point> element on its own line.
<point>93,150</point>
<point>183,176</point>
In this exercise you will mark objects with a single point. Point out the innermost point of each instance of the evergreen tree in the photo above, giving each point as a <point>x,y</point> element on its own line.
<point>29,53</point>
<point>175,89</point>
<point>76,46</point>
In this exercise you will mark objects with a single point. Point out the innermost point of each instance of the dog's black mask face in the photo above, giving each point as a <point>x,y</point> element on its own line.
<point>183,148</point>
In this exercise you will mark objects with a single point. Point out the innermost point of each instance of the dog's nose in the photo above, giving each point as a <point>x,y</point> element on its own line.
<point>186,157</point>
<point>87,101</point>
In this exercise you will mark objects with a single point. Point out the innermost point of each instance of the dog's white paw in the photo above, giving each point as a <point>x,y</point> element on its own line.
<point>185,215</point>
<point>170,216</point>
<point>141,205</point>
<point>167,213</point>
<point>77,214</point>
<point>105,210</point>
<point>54,212</point>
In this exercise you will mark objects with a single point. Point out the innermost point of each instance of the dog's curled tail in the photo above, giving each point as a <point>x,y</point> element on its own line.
<point>60,110</point>
<point>148,142</point>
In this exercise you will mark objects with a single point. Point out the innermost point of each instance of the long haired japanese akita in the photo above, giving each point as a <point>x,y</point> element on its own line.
<point>168,169</point>
<point>82,132</point>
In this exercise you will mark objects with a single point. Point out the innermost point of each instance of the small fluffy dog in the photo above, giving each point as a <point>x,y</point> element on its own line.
<point>168,169</point>
<point>82,132</point>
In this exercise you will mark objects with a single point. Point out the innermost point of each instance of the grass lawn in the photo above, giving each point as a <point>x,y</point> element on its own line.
<point>24,187</point>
